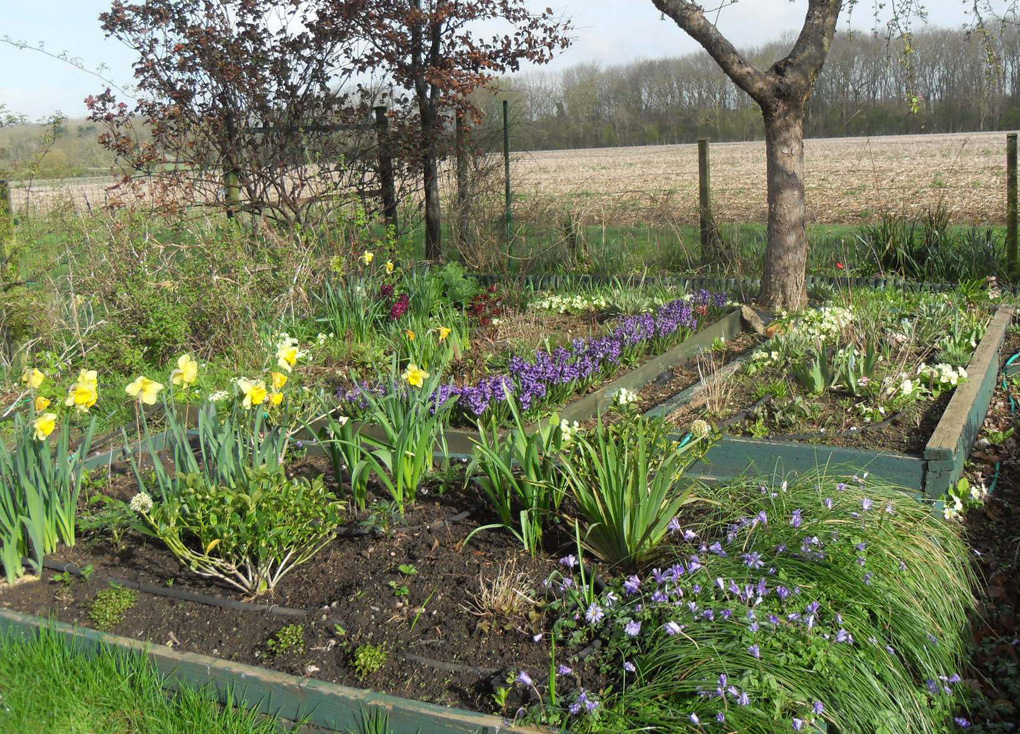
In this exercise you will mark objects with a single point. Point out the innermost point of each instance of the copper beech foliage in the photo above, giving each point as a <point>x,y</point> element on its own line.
<point>437,52</point>
<point>263,88</point>
<point>242,86</point>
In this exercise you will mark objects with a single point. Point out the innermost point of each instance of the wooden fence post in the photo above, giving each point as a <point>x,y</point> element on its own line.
<point>231,180</point>
<point>463,145</point>
<point>1011,205</point>
<point>506,172</point>
<point>704,197</point>
<point>389,188</point>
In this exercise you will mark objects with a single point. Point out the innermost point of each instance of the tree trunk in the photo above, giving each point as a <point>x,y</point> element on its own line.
<point>433,215</point>
<point>784,285</point>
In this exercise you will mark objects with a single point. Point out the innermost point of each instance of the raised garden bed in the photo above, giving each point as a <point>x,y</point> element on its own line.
<point>932,469</point>
<point>314,702</point>
<point>406,585</point>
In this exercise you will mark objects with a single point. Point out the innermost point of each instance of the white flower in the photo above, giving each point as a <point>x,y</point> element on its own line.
<point>700,428</point>
<point>141,503</point>
<point>907,387</point>
<point>219,396</point>
<point>625,397</point>
<point>568,430</point>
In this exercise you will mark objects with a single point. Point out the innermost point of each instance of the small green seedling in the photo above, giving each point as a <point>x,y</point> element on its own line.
<point>399,590</point>
<point>287,640</point>
<point>369,660</point>
<point>407,569</point>
<point>110,606</point>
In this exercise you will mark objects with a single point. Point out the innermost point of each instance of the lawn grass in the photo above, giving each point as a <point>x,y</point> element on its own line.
<point>49,686</point>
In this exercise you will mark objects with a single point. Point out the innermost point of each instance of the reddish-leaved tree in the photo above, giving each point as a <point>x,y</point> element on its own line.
<point>236,89</point>
<point>439,51</point>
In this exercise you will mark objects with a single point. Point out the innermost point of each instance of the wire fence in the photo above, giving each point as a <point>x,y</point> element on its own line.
<point>848,180</point>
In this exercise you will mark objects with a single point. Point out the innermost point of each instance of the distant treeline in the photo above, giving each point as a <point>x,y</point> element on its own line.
<point>958,82</point>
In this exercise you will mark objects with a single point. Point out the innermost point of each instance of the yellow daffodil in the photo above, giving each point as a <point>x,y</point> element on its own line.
<point>444,331</point>
<point>144,390</point>
<point>368,257</point>
<point>288,353</point>
<point>255,393</point>
<point>389,266</point>
<point>276,398</point>
<point>410,334</point>
<point>279,380</point>
<point>84,392</point>
<point>186,372</point>
<point>33,378</point>
<point>415,375</point>
<point>44,426</point>
<point>41,403</point>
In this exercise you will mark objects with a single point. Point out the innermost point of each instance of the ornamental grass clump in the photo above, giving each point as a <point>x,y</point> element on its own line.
<point>787,605</point>
<point>249,535</point>
<point>627,481</point>
<point>40,478</point>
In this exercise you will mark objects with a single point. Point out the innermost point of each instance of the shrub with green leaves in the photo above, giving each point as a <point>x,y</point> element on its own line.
<point>785,605</point>
<point>40,478</point>
<point>626,481</point>
<point>519,474</point>
<point>248,536</point>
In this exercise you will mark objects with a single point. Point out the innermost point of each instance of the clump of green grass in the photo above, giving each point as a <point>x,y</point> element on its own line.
<point>815,600</point>
<point>369,660</point>
<point>49,685</point>
<point>109,607</point>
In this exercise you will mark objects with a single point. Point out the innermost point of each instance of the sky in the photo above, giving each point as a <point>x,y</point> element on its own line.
<point>607,31</point>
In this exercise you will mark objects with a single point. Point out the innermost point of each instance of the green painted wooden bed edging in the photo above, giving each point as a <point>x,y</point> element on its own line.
<point>933,473</point>
<point>326,705</point>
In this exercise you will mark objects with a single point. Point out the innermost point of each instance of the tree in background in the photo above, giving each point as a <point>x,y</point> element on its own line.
<point>235,90</point>
<point>782,92</point>
<point>433,51</point>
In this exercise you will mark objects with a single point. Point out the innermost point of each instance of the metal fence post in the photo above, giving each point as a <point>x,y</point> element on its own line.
<point>506,171</point>
<point>1011,205</point>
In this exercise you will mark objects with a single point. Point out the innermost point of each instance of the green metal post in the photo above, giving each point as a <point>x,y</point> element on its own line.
<point>506,171</point>
<point>1011,214</point>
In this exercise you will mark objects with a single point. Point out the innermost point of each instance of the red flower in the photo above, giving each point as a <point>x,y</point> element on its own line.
<point>839,266</point>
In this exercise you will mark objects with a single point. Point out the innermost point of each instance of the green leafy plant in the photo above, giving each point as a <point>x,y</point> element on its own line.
<point>519,475</point>
<point>626,480</point>
<point>369,660</point>
<point>248,536</point>
<point>341,440</point>
<point>223,449</point>
<point>39,485</point>
<point>824,615</point>
<point>109,606</point>
<point>411,420</point>
<point>855,370</point>
<point>288,640</point>
<point>814,370</point>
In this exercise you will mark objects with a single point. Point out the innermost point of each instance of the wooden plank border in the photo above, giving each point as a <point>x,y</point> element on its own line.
<point>950,443</point>
<point>326,705</point>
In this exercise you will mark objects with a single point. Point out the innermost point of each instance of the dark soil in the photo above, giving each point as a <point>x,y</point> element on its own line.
<point>905,432</point>
<point>994,533</point>
<point>353,590</point>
